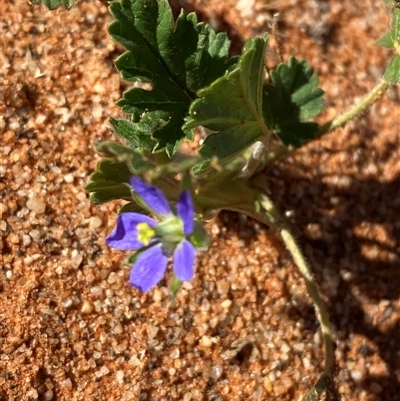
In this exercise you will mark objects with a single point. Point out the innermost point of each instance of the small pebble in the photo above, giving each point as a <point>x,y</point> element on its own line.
<point>69,178</point>
<point>112,278</point>
<point>226,304</point>
<point>48,311</point>
<point>95,222</point>
<point>206,341</point>
<point>36,205</point>
<point>87,307</point>
<point>120,376</point>
<point>356,375</point>
<point>26,240</point>
<point>174,354</point>
<point>66,303</point>
<point>216,372</point>
<point>66,383</point>
<point>104,370</point>
<point>96,291</point>
<point>76,259</point>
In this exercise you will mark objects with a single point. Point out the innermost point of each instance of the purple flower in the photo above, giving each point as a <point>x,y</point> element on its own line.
<point>156,240</point>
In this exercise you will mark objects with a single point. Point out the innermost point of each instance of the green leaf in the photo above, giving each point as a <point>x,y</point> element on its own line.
<point>199,237</point>
<point>391,39</point>
<point>138,134</point>
<point>232,106</point>
<point>392,73</point>
<point>169,60</point>
<point>291,98</point>
<point>174,286</point>
<point>53,4</point>
<point>224,190</point>
<point>111,179</point>
<point>109,182</point>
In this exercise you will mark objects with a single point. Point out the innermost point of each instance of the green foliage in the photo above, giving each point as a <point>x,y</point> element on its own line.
<point>232,106</point>
<point>173,58</point>
<point>392,73</point>
<point>110,180</point>
<point>293,97</point>
<point>391,40</point>
<point>241,109</point>
<point>53,4</point>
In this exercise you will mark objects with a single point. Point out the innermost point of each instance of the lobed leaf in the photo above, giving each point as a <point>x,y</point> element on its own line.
<point>111,179</point>
<point>171,60</point>
<point>392,73</point>
<point>232,106</point>
<point>391,39</point>
<point>290,99</point>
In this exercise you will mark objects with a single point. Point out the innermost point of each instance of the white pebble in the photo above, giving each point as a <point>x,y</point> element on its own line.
<point>66,303</point>
<point>120,376</point>
<point>226,304</point>
<point>36,205</point>
<point>76,259</point>
<point>87,307</point>
<point>66,383</point>
<point>205,341</point>
<point>174,354</point>
<point>97,111</point>
<point>48,311</point>
<point>96,291</point>
<point>356,375</point>
<point>95,222</point>
<point>26,240</point>
<point>69,178</point>
<point>216,372</point>
<point>134,361</point>
<point>104,370</point>
<point>112,278</point>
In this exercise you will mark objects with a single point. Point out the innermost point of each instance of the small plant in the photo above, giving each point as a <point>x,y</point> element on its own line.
<point>185,83</point>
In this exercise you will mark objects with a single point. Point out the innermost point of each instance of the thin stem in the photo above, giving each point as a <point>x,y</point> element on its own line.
<point>305,271</point>
<point>356,110</point>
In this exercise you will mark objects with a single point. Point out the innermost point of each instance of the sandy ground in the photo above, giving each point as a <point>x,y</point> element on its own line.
<point>71,328</point>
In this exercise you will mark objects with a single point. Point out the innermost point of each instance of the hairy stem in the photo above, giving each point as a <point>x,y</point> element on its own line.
<point>305,271</point>
<point>357,109</point>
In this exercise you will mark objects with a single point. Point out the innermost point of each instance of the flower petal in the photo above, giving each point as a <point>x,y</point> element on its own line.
<point>152,196</point>
<point>125,235</point>
<point>149,268</point>
<point>186,212</point>
<point>184,257</point>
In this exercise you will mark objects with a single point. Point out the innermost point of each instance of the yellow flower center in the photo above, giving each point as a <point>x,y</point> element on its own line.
<point>145,233</point>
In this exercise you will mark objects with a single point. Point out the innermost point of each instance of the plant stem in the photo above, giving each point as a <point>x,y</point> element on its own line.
<point>305,271</point>
<point>356,110</point>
